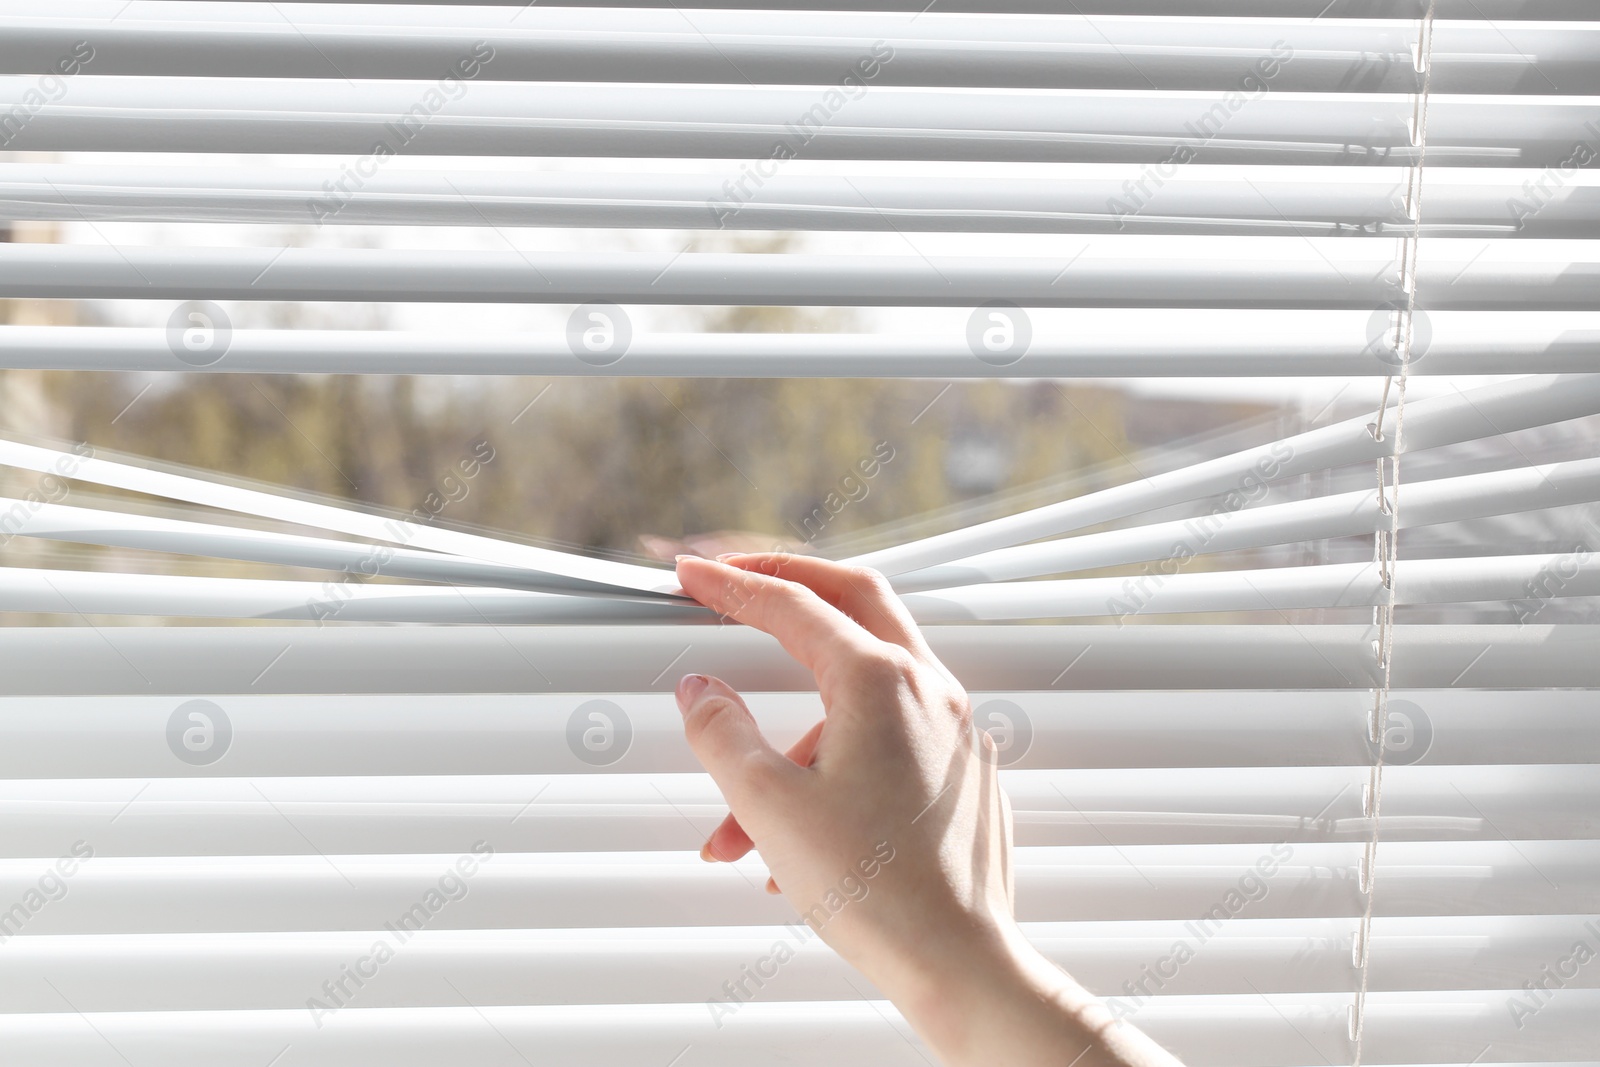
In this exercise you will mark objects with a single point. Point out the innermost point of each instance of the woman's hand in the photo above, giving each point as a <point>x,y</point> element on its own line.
<point>885,825</point>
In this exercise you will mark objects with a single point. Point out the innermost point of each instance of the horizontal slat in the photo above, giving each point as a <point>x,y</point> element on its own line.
<point>131,114</point>
<point>1365,9</point>
<point>1228,528</point>
<point>220,972</point>
<point>618,813</point>
<point>1086,198</point>
<point>176,894</point>
<point>1487,411</point>
<point>1271,275</point>
<point>1531,580</point>
<point>797,48</point>
<point>124,530</point>
<point>302,659</point>
<point>1514,816</point>
<point>1242,1030</point>
<point>1336,343</point>
<point>792,48</point>
<point>101,593</point>
<point>565,567</point>
<point>399,734</point>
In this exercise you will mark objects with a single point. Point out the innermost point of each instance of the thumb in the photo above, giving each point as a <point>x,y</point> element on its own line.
<point>729,842</point>
<point>729,744</point>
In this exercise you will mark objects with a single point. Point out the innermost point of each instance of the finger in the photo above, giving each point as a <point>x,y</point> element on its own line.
<point>772,887</point>
<point>729,842</point>
<point>859,592</point>
<point>804,751</point>
<point>729,744</point>
<point>817,635</point>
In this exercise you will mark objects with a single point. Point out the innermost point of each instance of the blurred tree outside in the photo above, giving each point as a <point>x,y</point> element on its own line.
<point>619,466</point>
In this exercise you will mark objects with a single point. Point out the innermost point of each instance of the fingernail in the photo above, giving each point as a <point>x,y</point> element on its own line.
<point>705,853</point>
<point>726,556</point>
<point>690,686</point>
<point>681,556</point>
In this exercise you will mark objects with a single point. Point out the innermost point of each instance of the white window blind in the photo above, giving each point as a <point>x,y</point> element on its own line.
<point>378,828</point>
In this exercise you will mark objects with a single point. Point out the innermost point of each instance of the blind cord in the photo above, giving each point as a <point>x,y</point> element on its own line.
<point>1385,539</point>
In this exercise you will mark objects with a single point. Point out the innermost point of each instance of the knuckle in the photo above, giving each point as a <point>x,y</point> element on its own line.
<point>738,593</point>
<point>889,667</point>
<point>708,716</point>
<point>873,581</point>
<point>786,597</point>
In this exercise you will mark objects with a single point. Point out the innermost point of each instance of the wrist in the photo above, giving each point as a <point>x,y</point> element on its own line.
<point>960,984</point>
<point>989,990</point>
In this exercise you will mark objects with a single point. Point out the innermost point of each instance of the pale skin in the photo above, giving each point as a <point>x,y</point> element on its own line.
<point>892,761</point>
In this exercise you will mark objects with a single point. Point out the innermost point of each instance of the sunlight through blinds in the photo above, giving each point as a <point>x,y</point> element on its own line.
<point>377,824</point>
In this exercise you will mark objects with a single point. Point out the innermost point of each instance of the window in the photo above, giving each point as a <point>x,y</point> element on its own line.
<point>1252,495</point>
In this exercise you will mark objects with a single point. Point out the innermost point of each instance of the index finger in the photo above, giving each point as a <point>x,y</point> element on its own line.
<point>820,636</point>
<point>863,595</point>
